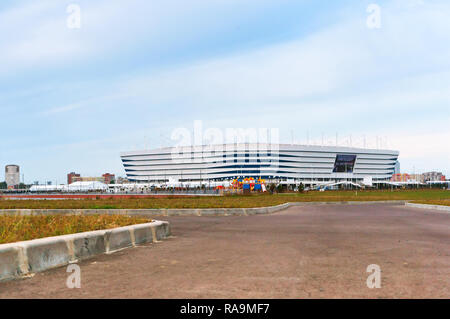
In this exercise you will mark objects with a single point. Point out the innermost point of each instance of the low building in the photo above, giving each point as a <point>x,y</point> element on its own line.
<point>74,187</point>
<point>87,179</point>
<point>420,178</point>
<point>122,180</point>
<point>106,178</point>
<point>400,178</point>
<point>433,176</point>
<point>71,176</point>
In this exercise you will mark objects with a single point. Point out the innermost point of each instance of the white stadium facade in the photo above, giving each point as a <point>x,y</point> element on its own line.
<point>280,163</point>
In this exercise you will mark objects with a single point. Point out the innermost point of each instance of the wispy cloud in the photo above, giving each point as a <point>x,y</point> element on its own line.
<point>35,35</point>
<point>91,102</point>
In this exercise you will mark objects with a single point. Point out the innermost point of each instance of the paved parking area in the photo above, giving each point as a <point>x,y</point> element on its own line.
<point>302,252</point>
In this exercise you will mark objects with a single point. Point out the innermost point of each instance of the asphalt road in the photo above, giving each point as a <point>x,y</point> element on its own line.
<point>303,252</point>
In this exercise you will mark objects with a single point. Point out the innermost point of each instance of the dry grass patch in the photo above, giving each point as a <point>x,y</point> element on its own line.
<point>233,201</point>
<point>20,228</point>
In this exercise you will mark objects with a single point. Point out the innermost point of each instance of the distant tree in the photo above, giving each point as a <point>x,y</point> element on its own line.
<point>22,186</point>
<point>301,188</point>
<point>271,187</point>
<point>112,181</point>
<point>3,185</point>
<point>280,188</point>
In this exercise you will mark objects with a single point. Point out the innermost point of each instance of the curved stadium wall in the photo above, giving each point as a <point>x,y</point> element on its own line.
<point>272,162</point>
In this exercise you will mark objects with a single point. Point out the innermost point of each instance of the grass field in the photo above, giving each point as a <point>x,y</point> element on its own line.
<point>20,228</point>
<point>232,201</point>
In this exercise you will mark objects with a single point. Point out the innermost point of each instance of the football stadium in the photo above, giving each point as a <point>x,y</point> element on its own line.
<point>280,163</point>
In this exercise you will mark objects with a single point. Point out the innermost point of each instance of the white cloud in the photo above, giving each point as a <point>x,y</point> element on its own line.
<point>102,100</point>
<point>347,62</point>
<point>35,35</point>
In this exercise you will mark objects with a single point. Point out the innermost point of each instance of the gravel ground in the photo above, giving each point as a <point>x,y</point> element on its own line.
<point>302,252</point>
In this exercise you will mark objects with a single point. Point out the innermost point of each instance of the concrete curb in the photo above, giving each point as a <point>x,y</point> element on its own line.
<point>183,211</point>
<point>426,206</point>
<point>22,258</point>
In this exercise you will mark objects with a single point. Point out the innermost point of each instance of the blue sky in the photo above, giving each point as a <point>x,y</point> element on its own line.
<point>73,99</point>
